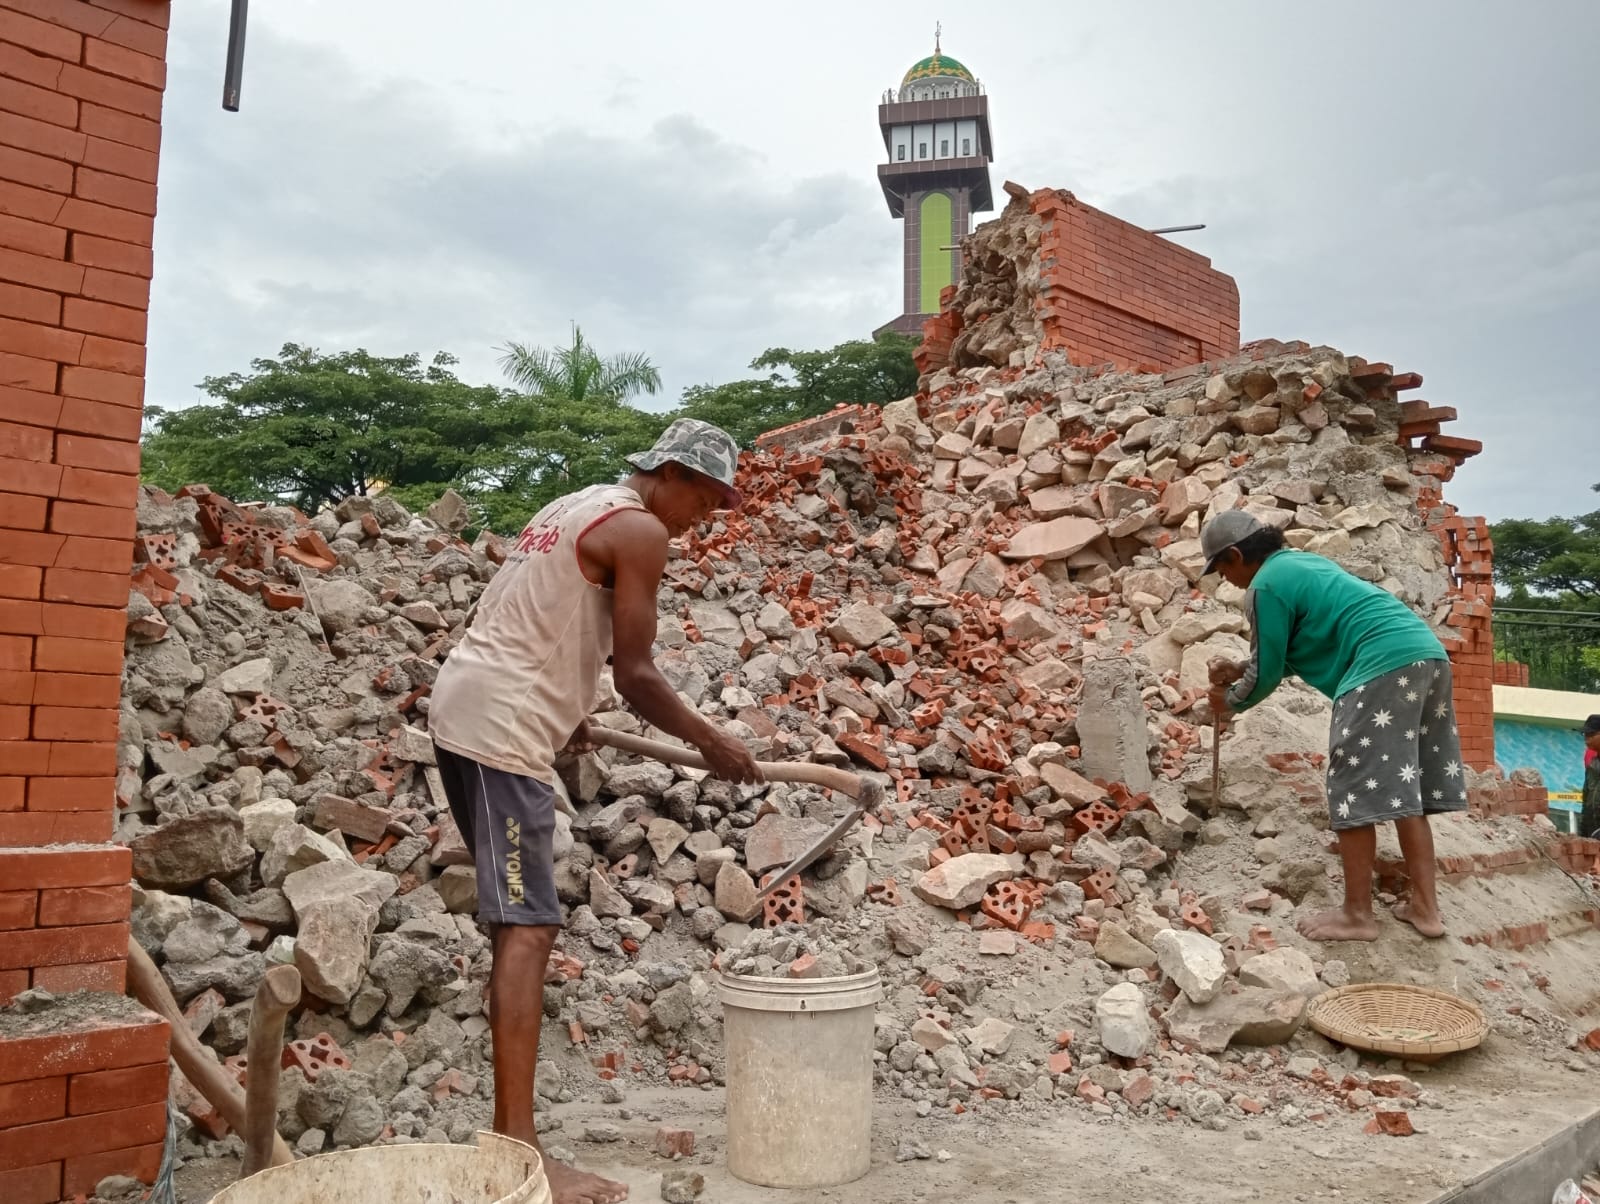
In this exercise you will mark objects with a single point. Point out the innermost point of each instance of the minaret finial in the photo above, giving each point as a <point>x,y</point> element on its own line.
<point>937,29</point>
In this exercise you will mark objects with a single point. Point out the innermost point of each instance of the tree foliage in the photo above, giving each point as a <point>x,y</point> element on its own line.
<point>311,429</point>
<point>803,384</point>
<point>1548,616</point>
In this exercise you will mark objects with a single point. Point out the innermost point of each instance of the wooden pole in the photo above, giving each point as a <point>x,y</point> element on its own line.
<point>773,771</point>
<point>203,1071</point>
<point>279,991</point>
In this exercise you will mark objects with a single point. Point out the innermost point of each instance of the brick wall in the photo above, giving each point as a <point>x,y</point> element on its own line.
<point>80,130</point>
<point>1110,292</point>
<point>1510,673</point>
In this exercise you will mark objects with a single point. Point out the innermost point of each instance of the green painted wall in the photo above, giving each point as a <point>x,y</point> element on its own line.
<point>935,231</point>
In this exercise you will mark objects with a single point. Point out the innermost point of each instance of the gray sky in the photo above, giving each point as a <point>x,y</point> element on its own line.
<point>1417,183</point>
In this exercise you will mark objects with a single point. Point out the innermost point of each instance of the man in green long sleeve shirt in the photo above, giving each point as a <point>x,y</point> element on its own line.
<point>1394,751</point>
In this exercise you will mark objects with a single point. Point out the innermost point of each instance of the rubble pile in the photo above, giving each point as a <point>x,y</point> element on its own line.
<point>988,595</point>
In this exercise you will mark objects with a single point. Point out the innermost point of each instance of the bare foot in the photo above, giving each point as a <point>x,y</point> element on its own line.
<point>1430,926</point>
<point>1335,925</point>
<point>568,1185</point>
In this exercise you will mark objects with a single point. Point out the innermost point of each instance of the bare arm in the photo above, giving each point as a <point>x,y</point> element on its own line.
<point>632,547</point>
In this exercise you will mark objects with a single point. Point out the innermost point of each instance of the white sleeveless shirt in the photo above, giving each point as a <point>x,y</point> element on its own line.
<point>525,673</point>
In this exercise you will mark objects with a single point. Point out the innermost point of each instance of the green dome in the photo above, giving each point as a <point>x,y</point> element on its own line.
<point>935,65</point>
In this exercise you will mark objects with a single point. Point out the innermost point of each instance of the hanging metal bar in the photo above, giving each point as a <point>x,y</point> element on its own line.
<point>233,68</point>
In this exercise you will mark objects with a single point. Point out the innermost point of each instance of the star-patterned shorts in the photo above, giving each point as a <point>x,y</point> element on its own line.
<point>1394,751</point>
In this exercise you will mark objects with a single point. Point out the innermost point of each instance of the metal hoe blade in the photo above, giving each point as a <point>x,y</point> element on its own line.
<point>823,843</point>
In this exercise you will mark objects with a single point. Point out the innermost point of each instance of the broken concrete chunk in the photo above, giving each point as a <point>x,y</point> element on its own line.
<point>186,851</point>
<point>961,882</point>
<point>1282,969</point>
<point>1246,1015</point>
<point>1192,960</point>
<point>1053,540</point>
<point>860,625</point>
<point>1116,947</point>
<point>1122,1022</point>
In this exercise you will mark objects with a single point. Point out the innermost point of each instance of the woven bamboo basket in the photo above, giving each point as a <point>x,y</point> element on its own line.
<point>1404,1021</point>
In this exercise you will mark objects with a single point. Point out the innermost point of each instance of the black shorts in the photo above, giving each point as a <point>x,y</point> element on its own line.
<point>1394,750</point>
<point>508,821</point>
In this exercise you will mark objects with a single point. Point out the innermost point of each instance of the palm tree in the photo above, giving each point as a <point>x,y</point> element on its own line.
<point>578,373</point>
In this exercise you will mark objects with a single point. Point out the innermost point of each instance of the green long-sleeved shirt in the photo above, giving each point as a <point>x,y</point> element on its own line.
<point>1311,619</point>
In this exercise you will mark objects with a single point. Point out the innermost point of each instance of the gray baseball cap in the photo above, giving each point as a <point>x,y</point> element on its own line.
<point>708,450</point>
<point>1223,532</point>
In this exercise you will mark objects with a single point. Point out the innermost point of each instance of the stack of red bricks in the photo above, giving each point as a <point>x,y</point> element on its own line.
<point>1510,673</point>
<point>80,127</point>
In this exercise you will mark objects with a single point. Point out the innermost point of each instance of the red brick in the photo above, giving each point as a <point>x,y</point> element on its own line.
<point>97,418</point>
<point>35,171</point>
<point>20,616</point>
<point>64,655</point>
<point>114,287</point>
<point>12,984</point>
<point>107,1090</point>
<point>120,192</point>
<point>29,547</point>
<point>121,160</point>
<point>62,946</point>
<point>42,137</point>
<point>16,653</point>
<point>13,791</point>
<point>109,976</point>
<point>92,384</point>
<point>32,478</point>
<point>28,372</point>
<point>29,442</point>
<point>72,723</point>
<point>155,14</point>
<point>46,37</point>
<point>22,512</point>
<point>97,559</point>
<point>100,488</point>
<point>104,88</point>
<point>100,122</point>
<point>148,70</point>
<point>44,870</point>
<point>20,581</point>
<point>34,204</point>
<point>113,355</point>
<point>84,622</point>
<point>74,1136</point>
<point>37,69</point>
<point>100,522</point>
<point>136,35</point>
<point>32,238</point>
<point>30,304</point>
<point>39,341</point>
<point>82,760</point>
<point>39,1184</point>
<point>37,104</point>
<point>29,1102</point>
<point>84,1048</point>
<point>80,1174</point>
<point>14,722</point>
<point>110,254</point>
<point>18,909</point>
<point>16,690</point>
<point>97,317</point>
<point>30,406</point>
<point>86,217</point>
<point>77,689</point>
<point>39,271</point>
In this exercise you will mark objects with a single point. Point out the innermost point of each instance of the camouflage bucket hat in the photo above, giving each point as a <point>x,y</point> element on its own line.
<point>708,450</point>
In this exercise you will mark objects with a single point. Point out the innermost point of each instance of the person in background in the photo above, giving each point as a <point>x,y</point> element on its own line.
<point>579,585</point>
<point>1394,752</point>
<point>1589,818</point>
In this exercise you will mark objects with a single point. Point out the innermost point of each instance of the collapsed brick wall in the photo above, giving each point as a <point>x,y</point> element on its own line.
<point>80,127</point>
<point>1056,274</point>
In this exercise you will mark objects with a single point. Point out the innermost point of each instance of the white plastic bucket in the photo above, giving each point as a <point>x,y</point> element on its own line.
<point>799,1074</point>
<point>498,1170</point>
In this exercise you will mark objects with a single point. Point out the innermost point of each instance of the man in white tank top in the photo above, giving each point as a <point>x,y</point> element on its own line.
<point>579,585</point>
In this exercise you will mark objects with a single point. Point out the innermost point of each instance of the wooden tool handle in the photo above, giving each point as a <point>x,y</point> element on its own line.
<point>207,1076</point>
<point>279,991</point>
<point>774,771</point>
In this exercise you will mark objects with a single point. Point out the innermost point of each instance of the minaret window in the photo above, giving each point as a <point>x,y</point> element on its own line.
<point>900,152</point>
<point>944,148</point>
<point>966,147</point>
<point>922,150</point>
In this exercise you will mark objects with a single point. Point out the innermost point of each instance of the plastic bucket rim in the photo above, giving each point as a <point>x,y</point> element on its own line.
<point>800,995</point>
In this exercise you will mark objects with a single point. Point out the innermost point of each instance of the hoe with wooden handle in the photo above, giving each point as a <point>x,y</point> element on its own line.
<point>867,792</point>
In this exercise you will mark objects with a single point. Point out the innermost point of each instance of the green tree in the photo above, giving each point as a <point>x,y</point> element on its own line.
<point>312,429</point>
<point>578,373</point>
<point>803,384</point>
<point>1548,616</point>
